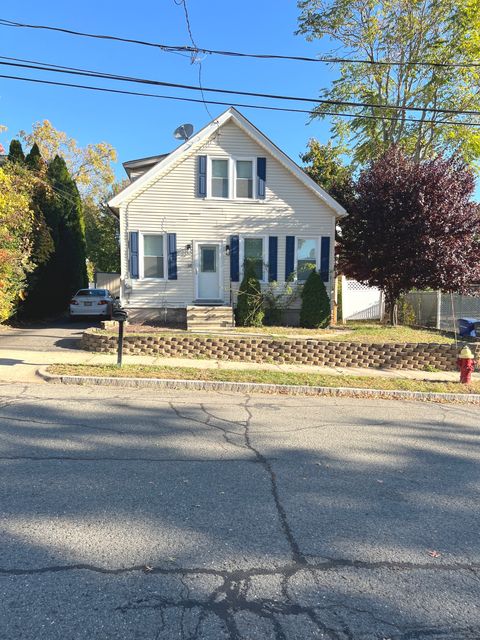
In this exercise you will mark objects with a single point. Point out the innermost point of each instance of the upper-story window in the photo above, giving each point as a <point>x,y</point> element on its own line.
<point>244,179</point>
<point>231,178</point>
<point>220,174</point>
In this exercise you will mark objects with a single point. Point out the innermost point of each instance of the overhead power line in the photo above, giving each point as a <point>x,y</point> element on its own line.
<point>45,66</point>
<point>238,54</point>
<point>230,104</point>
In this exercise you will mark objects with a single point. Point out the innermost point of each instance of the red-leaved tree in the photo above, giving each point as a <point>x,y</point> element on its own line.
<point>412,226</point>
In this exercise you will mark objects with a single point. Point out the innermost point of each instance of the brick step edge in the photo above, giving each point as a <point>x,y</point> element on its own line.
<point>254,387</point>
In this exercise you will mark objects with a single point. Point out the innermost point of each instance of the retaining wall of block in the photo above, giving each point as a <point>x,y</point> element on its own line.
<point>289,351</point>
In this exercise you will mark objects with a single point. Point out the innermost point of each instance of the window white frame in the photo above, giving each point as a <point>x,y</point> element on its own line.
<point>254,178</point>
<point>317,253</point>
<point>141,255</point>
<point>232,178</point>
<point>210,177</point>
<point>264,257</point>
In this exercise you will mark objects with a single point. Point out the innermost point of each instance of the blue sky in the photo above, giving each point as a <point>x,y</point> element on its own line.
<point>137,126</point>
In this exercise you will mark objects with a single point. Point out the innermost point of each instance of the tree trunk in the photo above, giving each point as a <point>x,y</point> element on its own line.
<point>391,303</point>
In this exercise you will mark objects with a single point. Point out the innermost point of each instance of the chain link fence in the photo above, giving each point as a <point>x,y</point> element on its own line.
<point>443,310</point>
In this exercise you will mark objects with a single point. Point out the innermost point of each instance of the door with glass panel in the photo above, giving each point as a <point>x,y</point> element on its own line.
<point>208,272</point>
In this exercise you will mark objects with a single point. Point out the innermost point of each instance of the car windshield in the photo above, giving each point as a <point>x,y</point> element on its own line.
<point>95,293</point>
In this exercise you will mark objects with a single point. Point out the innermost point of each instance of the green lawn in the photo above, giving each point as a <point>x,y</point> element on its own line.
<point>262,376</point>
<point>355,332</point>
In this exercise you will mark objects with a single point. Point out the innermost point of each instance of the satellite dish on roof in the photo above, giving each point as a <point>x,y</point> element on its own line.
<point>183,132</point>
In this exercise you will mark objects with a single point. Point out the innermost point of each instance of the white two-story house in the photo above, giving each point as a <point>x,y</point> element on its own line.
<point>190,219</point>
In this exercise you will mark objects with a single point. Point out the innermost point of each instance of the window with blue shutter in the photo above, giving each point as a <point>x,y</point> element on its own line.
<point>234,258</point>
<point>272,258</point>
<point>133,253</point>
<point>202,176</point>
<point>261,177</point>
<point>172,255</point>
<point>289,256</point>
<point>325,258</point>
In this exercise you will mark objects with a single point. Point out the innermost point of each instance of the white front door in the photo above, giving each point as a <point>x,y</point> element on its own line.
<point>208,272</point>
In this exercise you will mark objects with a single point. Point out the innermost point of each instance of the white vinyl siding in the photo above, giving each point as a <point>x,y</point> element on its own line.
<point>171,203</point>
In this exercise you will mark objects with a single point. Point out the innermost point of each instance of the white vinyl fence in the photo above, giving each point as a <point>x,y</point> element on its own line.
<point>360,302</point>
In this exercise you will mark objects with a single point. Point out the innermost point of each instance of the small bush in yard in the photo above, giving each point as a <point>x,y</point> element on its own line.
<point>250,310</point>
<point>315,309</point>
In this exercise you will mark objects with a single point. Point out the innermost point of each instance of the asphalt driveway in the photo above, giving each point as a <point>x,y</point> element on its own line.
<point>131,514</point>
<point>45,336</point>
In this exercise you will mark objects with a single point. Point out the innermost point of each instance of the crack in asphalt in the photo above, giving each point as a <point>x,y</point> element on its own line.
<point>62,424</point>
<point>297,554</point>
<point>119,459</point>
<point>288,570</point>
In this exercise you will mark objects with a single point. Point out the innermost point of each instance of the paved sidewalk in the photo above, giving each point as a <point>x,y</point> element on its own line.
<point>20,365</point>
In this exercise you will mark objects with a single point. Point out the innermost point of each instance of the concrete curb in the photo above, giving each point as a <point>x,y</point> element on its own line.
<point>253,387</point>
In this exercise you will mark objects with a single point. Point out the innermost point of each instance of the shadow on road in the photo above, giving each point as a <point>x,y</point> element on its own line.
<point>333,536</point>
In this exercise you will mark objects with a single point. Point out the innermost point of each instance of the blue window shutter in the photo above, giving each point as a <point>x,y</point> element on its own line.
<point>289,257</point>
<point>172,255</point>
<point>234,258</point>
<point>202,176</point>
<point>261,177</point>
<point>325,258</point>
<point>272,258</point>
<point>133,250</point>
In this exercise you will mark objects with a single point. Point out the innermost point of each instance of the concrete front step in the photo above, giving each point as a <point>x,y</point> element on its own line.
<point>205,318</point>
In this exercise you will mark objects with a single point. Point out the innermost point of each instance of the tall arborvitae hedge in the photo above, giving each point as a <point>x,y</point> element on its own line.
<point>315,309</point>
<point>65,270</point>
<point>15,152</point>
<point>249,311</point>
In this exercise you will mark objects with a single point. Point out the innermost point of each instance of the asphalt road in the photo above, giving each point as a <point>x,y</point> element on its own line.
<point>45,336</point>
<point>135,514</point>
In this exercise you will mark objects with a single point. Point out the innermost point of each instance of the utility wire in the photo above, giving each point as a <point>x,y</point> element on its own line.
<point>230,104</point>
<point>194,57</point>
<point>45,66</point>
<point>239,54</point>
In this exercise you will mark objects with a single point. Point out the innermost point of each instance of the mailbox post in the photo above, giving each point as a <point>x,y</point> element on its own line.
<point>120,316</point>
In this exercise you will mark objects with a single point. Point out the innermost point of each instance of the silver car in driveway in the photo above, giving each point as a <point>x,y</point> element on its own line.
<point>93,302</point>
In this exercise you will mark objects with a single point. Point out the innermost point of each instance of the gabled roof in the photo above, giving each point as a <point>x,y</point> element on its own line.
<point>202,135</point>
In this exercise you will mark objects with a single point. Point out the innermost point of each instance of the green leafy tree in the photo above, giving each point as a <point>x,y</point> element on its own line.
<point>250,312</point>
<point>324,164</point>
<point>400,32</point>
<point>315,309</point>
<point>102,237</point>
